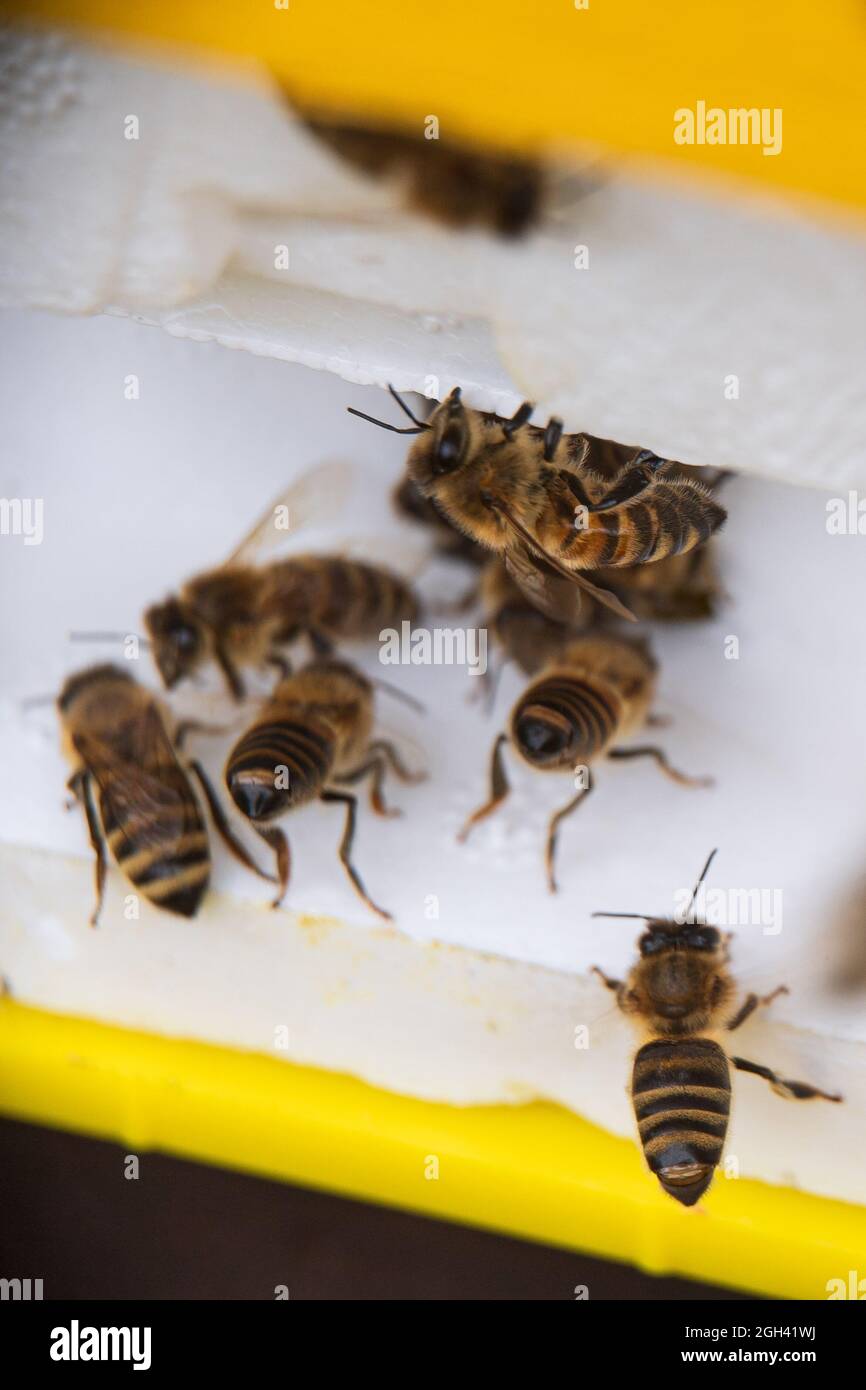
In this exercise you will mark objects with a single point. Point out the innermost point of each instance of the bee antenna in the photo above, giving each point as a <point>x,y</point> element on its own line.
<point>107,637</point>
<point>399,694</point>
<point>405,409</point>
<point>35,701</point>
<point>703,875</point>
<point>383,424</point>
<point>640,916</point>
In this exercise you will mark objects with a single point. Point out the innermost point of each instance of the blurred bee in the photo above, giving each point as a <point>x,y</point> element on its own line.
<point>314,732</point>
<point>453,183</point>
<point>680,994</point>
<point>596,691</point>
<point>522,632</point>
<point>123,758</point>
<point>242,613</point>
<point>539,499</point>
<point>682,588</point>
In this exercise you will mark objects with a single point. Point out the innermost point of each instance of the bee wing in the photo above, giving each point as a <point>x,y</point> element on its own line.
<point>401,557</point>
<point>315,496</point>
<point>532,555</point>
<point>130,793</point>
<point>555,597</point>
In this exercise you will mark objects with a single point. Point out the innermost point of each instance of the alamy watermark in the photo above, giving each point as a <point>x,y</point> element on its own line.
<point>731,907</point>
<point>846,516</point>
<point>22,516</point>
<point>20,1290</point>
<point>736,125</point>
<point>439,646</point>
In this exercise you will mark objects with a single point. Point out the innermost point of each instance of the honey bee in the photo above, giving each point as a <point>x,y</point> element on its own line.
<point>314,732</point>
<point>539,498</point>
<point>595,692</point>
<point>123,758</point>
<point>451,182</point>
<point>242,613</point>
<point>681,995</point>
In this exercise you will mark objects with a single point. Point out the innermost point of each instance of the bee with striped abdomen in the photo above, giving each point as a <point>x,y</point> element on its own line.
<point>312,738</point>
<point>541,499</point>
<point>136,795</point>
<point>681,993</point>
<point>595,692</point>
<point>243,613</point>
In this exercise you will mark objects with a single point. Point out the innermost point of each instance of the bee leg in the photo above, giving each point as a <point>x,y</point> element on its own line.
<point>226,833</point>
<point>636,479</point>
<point>82,789</point>
<point>499,790</point>
<point>321,645</point>
<point>279,663</point>
<point>237,690</point>
<point>552,436</point>
<point>751,1003</point>
<point>518,419</point>
<point>553,832</point>
<point>395,762</point>
<point>576,488</point>
<point>276,841</point>
<point>351,804</point>
<point>384,755</point>
<point>617,987</point>
<point>486,686</point>
<point>645,751</point>
<point>376,765</point>
<point>606,980</point>
<point>788,1090</point>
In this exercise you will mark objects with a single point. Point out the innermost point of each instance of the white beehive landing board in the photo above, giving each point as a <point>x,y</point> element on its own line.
<point>139,493</point>
<point>718,332</point>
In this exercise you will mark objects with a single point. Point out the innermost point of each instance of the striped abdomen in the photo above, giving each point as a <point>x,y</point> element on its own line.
<point>671,516</point>
<point>681,1092</point>
<point>278,764</point>
<point>561,720</point>
<point>160,844</point>
<point>345,598</point>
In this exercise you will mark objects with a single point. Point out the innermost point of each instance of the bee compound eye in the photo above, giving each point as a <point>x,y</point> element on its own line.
<point>449,451</point>
<point>186,639</point>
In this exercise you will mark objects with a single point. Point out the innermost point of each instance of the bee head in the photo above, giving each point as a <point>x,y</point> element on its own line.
<point>680,979</point>
<point>178,639</point>
<point>663,934</point>
<point>444,447</point>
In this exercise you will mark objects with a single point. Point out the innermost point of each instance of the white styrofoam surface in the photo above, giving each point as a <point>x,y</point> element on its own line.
<point>140,493</point>
<point>685,288</point>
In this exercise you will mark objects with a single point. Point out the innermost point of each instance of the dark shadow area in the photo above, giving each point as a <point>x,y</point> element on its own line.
<point>186,1231</point>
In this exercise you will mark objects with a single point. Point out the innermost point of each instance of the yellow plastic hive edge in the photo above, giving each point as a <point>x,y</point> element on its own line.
<point>508,73</point>
<point>535,1171</point>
